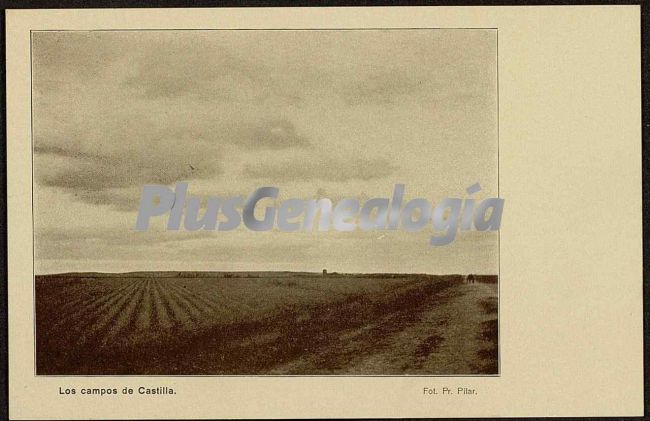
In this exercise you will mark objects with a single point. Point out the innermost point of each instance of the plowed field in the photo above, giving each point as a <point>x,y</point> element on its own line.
<point>191,323</point>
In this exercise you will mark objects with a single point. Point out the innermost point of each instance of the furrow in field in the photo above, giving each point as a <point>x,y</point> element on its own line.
<point>230,302</point>
<point>84,317</point>
<point>108,317</point>
<point>94,305</point>
<point>209,301</point>
<point>88,299</point>
<point>144,315</point>
<point>179,315</point>
<point>126,320</point>
<point>162,314</point>
<point>224,297</point>
<point>59,297</point>
<point>221,307</point>
<point>190,308</point>
<point>194,300</point>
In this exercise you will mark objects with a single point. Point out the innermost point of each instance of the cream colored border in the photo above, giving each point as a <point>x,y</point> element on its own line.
<point>571,258</point>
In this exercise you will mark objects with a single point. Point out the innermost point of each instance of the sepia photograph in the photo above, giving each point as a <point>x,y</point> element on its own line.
<point>266,202</point>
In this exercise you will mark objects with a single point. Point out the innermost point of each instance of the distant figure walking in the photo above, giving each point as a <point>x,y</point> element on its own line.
<point>470,279</point>
<point>324,272</point>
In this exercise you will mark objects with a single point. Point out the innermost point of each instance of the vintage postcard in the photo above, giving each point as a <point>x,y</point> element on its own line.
<point>308,213</point>
<point>332,119</point>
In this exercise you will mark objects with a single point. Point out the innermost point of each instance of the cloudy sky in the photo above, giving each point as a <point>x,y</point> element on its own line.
<point>316,113</point>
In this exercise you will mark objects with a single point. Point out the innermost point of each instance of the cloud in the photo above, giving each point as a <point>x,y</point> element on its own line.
<point>60,56</point>
<point>99,162</point>
<point>126,244</point>
<point>114,111</point>
<point>240,68</point>
<point>143,158</point>
<point>210,67</point>
<point>321,168</point>
<point>60,151</point>
<point>120,199</point>
<point>383,87</point>
<point>210,73</point>
<point>116,237</point>
<point>267,134</point>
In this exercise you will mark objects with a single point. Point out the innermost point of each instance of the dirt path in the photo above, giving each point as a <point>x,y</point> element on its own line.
<point>453,337</point>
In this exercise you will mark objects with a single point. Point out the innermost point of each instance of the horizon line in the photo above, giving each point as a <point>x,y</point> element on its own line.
<point>260,271</point>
